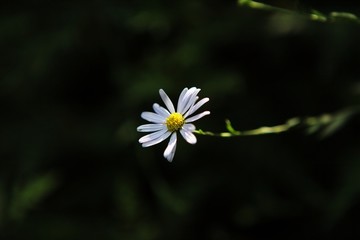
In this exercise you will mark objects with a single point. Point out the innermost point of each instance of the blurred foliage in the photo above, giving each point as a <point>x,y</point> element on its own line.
<point>313,15</point>
<point>25,197</point>
<point>76,75</point>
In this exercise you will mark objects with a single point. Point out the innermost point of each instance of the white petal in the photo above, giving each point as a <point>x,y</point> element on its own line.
<point>184,98</point>
<point>180,100</point>
<point>157,140</point>
<point>188,99</point>
<point>167,101</point>
<point>189,127</point>
<point>191,101</point>
<point>196,106</point>
<point>171,148</point>
<point>152,136</point>
<point>160,110</point>
<point>188,136</point>
<point>196,117</point>
<point>152,127</point>
<point>152,117</point>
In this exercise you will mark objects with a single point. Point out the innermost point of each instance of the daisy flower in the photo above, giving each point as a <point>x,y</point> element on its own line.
<point>167,122</point>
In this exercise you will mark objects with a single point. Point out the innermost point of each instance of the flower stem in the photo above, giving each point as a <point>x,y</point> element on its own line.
<point>326,124</point>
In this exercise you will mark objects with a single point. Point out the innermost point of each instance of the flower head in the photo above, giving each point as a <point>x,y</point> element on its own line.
<point>167,122</point>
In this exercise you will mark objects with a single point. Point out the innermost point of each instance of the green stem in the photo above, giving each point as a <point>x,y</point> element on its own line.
<point>259,131</point>
<point>329,123</point>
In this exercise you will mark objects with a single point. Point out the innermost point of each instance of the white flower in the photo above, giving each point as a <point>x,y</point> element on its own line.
<point>166,122</point>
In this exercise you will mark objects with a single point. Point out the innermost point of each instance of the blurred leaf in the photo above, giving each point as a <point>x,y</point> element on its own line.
<point>26,197</point>
<point>338,120</point>
<point>312,129</point>
<point>336,16</point>
<point>168,197</point>
<point>317,16</point>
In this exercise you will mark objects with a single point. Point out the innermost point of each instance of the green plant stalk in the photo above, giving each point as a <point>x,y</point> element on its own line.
<point>329,123</point>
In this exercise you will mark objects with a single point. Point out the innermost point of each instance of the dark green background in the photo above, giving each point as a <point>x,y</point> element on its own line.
<point>75,77</point>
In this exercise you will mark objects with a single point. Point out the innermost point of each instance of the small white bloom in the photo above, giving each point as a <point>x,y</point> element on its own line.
<point>166,122</point>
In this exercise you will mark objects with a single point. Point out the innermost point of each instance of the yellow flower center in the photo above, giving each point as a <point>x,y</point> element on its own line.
<point>175,121</point>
